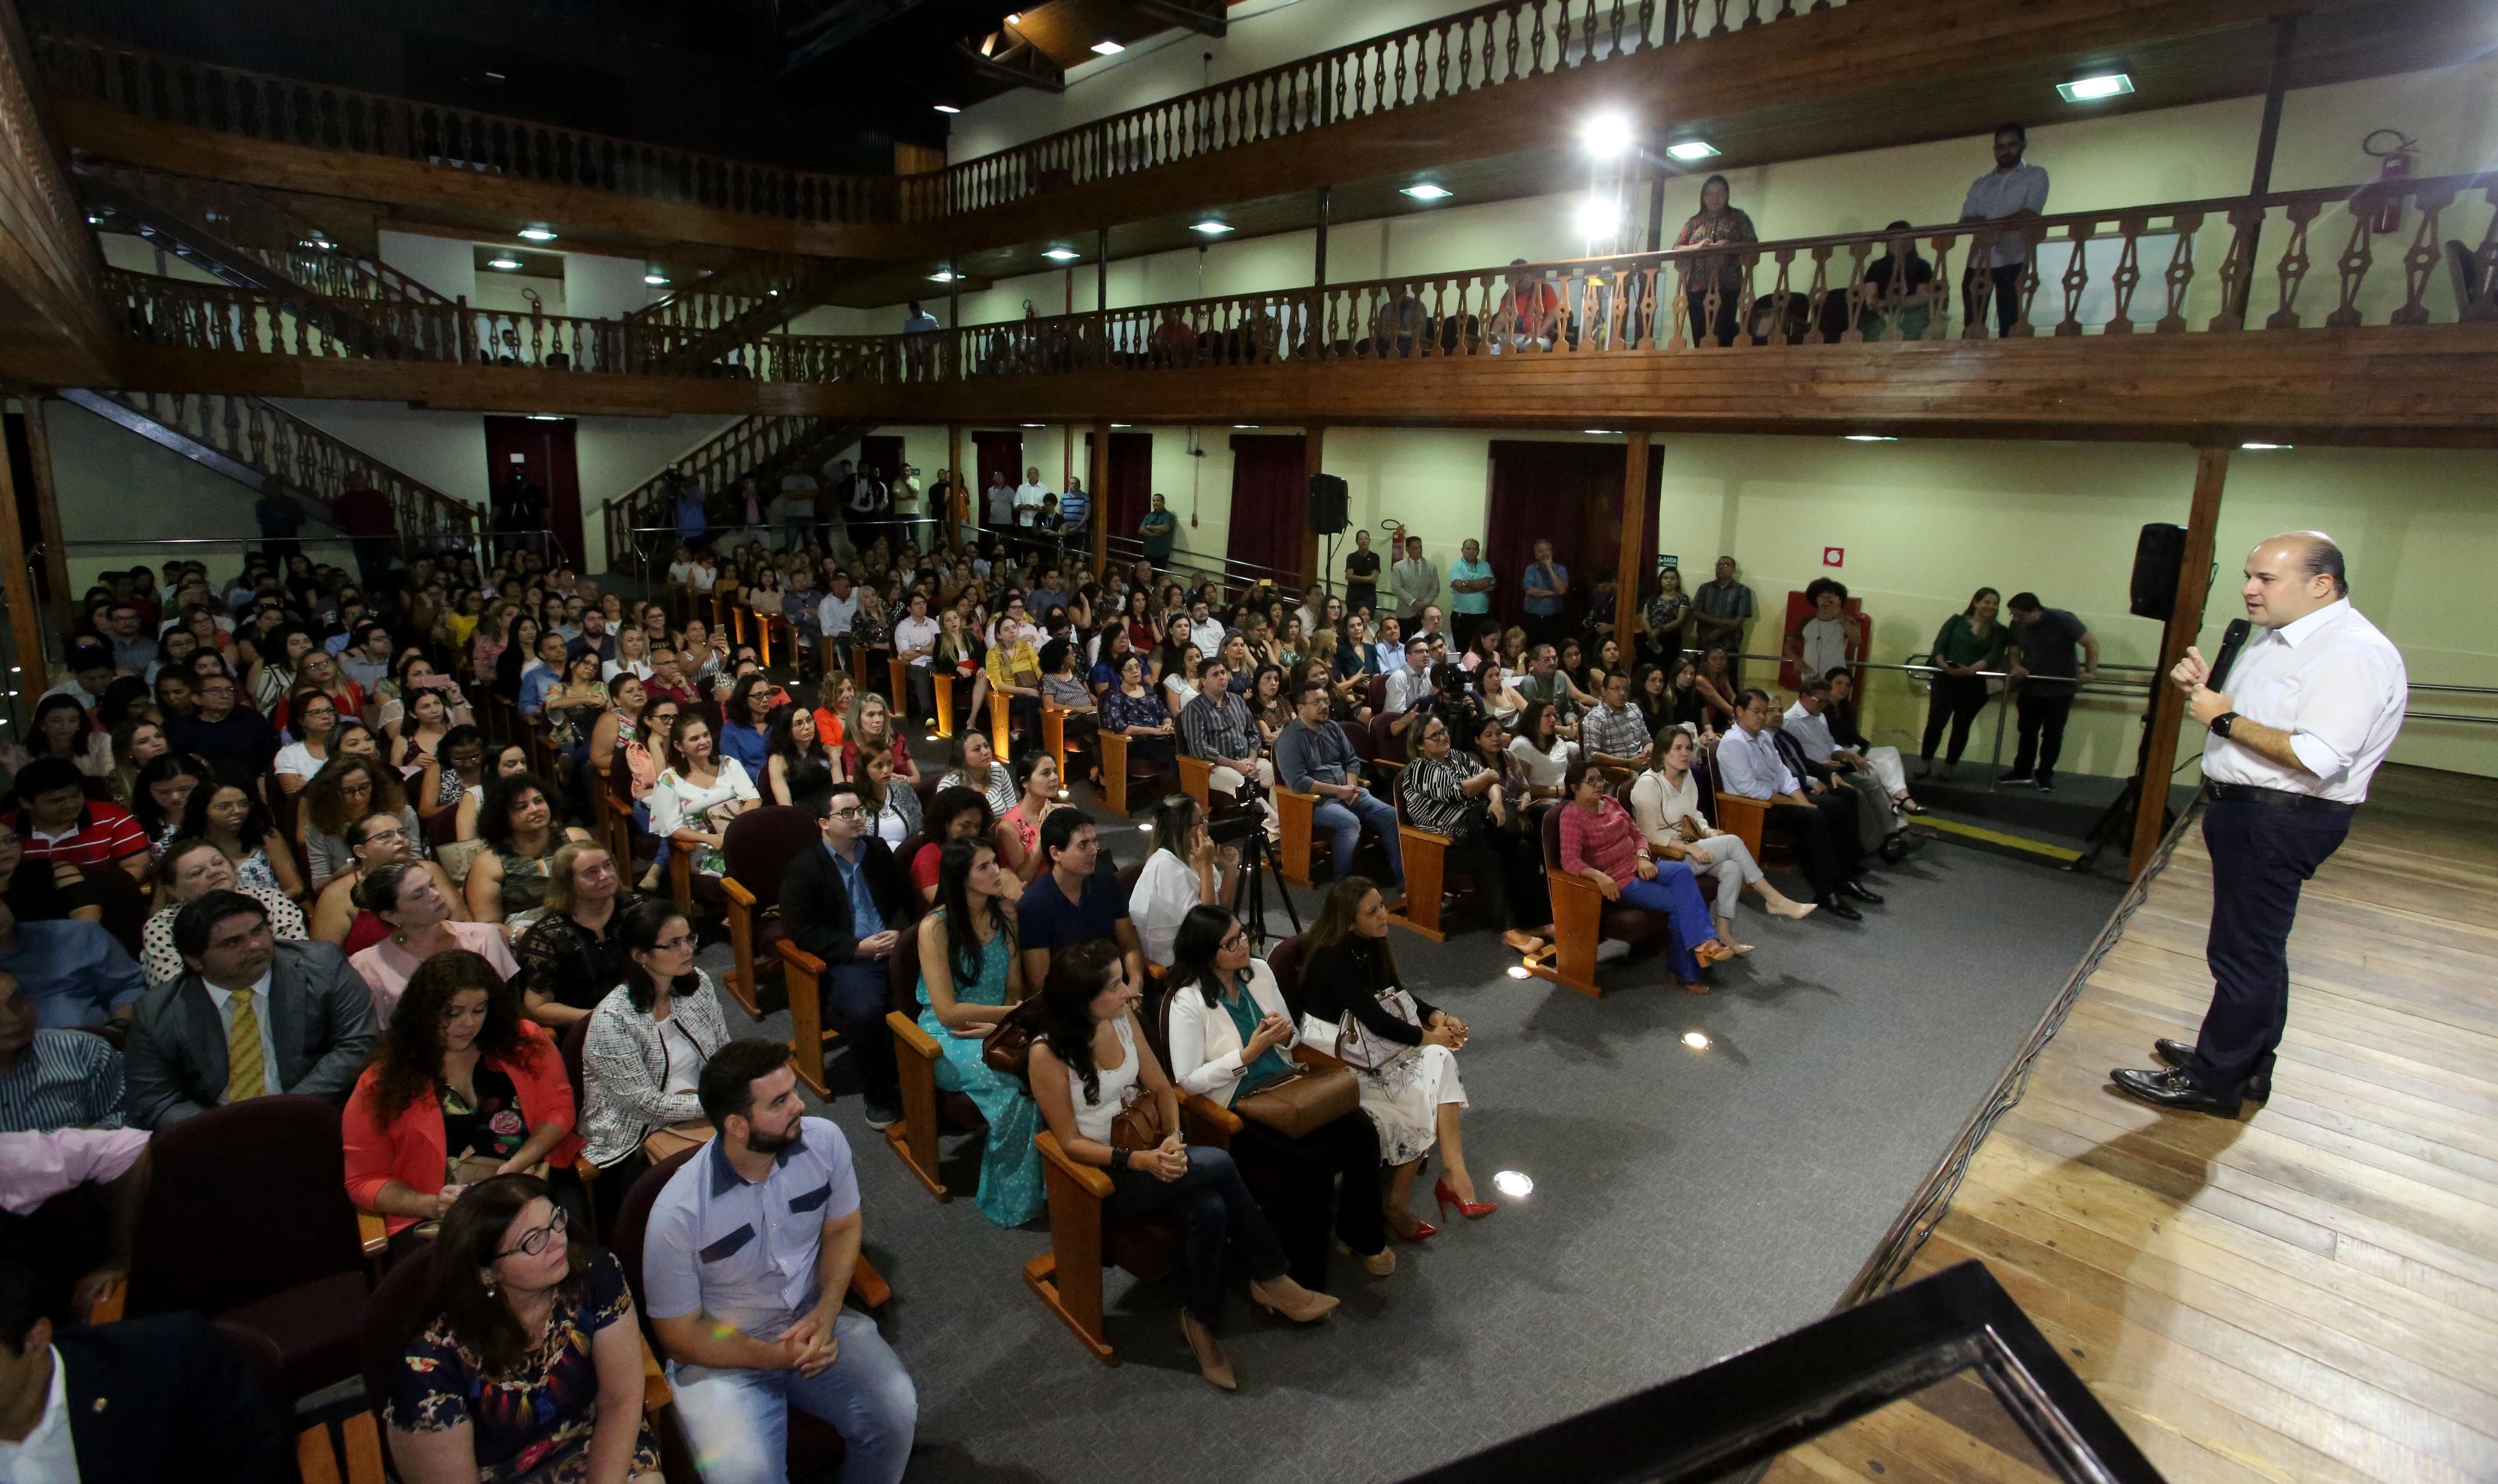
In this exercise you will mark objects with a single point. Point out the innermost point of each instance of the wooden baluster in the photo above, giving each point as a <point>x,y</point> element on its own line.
<point>1781,295</point>
<point>1815,295</point>
<point>1982,251</point>
<point>2076,278</point>
<point>1643,281</point>
<point>2237,267</point>
<point>2293,271</point>
<point>2357,258</point>
<point>1858,293</point>
<point>2126,274</point>
<point>1562,36</point>
<point>1745,263</point>
<point>2419,260</point>
<point>1675,311</point>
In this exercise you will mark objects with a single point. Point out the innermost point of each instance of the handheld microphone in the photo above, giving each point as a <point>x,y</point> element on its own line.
<point>2233,639</point>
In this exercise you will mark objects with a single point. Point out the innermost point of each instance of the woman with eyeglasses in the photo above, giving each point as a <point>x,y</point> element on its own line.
<point>460,1088</point>
<point>1230,1030</point>
<point>373,841</point>
<point>528,1363</point>
<point>649,1037</point>
<point>348,788</point>
<point>572,955</point>
<point>970,978</point>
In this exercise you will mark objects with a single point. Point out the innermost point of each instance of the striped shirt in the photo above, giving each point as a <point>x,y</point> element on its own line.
<point>1219,729</point>
<point>103,834</point>
<point>1435,794</point>
<point>65,1079</point>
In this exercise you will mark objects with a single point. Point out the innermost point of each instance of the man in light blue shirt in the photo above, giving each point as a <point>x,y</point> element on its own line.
<point>73,972</point>
<point>1545,583</point>
<point>750,1252</point>
<point>544,675</point>
<point>1391,648</point>
<point>1470,584</point>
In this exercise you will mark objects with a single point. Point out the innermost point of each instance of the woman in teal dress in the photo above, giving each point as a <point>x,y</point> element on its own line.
<point>969,976</point>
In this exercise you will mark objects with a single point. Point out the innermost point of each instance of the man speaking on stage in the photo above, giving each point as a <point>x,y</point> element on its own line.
<point>2299,725</point>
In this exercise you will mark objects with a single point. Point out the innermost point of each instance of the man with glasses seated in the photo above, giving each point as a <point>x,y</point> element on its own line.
<point>235,739</point>
<point>749,1254</point>
<point>845,902</point>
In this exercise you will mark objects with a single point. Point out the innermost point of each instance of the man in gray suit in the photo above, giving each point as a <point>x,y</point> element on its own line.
<point>192,1044</point>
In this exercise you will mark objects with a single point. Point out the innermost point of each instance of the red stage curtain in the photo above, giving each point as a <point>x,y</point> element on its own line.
<point>1569,494</point>
<point>1269,503</point>
<point>1130,491</point>
<point>994,454</point>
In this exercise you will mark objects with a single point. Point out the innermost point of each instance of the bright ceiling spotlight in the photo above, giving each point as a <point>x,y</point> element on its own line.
<point>2264,446</point>
<point>2114,84</point>
<point>1061,254</point>
<point>1605,134</point>
<point>1211,227</point>
<point>942,275</point>
<point>506,263</point>
<point>945,108</point>
<point>1107,49</point>
<point>1691,150</point>
<point>1871,437</point>
<point>655,278</point>
<point>1426,192</point>
<point>537,234</point>
<point>1598,217</point>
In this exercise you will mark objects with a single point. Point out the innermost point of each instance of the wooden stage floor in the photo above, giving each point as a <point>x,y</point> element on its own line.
<point>2309,1293</point>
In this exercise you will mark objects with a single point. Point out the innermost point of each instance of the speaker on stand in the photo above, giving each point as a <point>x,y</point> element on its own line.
<point>1330,512</point>
<point>2159,561</point>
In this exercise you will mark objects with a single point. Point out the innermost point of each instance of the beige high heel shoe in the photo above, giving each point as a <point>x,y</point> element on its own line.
<point>1378,1263</point>
<point>1281,1296</point>
<point>1211,1362</point>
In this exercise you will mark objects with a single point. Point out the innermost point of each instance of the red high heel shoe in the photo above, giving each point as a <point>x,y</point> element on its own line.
<point>1472,1210</point>
<point>1422,1232</point>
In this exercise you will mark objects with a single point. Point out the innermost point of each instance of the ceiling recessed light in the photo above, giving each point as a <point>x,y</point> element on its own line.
<point>1695,1040</point>
<point>495,77</point>
<point>1602,432</point>
<point>1426,192</point>
<point>1691,150</point>
<point>2264,446</point>
<point>1122,425</point>
<point>544,417</point>
<point>1245,424</point>
<point>1032,425</point>
<point>1598,217</point>
<point>946,108</point>
<point>942,275</point>
<point>1061,254</point>
<point>2114,84</point>
<point>655,280</point>
<point>1605,134</point>
<point>537,234</point>
<point>1514,1183</point>
<point>506,263</point>
<point>1107,48</point>
<point>1212,228</point>
<point>1870,438</point>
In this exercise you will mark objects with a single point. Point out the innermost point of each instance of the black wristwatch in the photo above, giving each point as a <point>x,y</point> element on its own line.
<point>2220,722</point>
<point>1119,1158</point>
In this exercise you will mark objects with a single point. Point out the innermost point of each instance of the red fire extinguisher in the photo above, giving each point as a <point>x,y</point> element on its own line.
<point>2394,163</point>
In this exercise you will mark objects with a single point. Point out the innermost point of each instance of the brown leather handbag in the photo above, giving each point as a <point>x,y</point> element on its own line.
<point>1006,1050</point>
<point>1140,1124</point>
<point>1302,1101</point>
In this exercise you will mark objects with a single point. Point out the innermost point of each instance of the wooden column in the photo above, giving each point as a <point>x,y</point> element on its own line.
<point>2185,621</point>
<point>1626,572</point>
<point>47,510</point>
<point>1313,462</point>
<point>1318,267</point>
<point>25,611</point>
<point>952,533</point>
<point>1100,483</point>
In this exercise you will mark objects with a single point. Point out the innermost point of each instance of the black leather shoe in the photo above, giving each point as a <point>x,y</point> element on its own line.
<point>1861,891</point>
<point>2177,1053</point>
<point>1829,902</point>
<point>2171,1088</point>
<point>1895,850</point>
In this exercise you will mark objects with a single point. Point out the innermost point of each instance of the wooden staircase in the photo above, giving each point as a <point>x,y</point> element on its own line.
<point>641,522</point>
<point>251,442</point>
<point>711,318</point>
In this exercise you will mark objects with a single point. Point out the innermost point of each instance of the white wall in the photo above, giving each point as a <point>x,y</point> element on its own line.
<point>600,287</point>
<point>444,265</point>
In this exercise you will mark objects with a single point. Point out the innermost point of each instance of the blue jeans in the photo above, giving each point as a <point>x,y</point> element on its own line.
<point>1676,894</point>
<point>1213,1203</point>
<point>738,1421</point>
<point>1345,820</point>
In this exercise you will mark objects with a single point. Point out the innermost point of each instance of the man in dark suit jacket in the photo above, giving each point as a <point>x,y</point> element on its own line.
<point>845,902</point>
<point>143,1401</point>
<point>315,1016</point>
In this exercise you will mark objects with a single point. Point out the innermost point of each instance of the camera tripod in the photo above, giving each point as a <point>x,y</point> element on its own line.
<point>1257,861</point>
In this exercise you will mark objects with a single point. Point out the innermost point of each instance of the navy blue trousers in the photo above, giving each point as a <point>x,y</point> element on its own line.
<point>2261,854</point>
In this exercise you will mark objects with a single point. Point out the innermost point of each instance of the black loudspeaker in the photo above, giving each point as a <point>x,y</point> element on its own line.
<point>1330,509</point>
<point>2159,556</point>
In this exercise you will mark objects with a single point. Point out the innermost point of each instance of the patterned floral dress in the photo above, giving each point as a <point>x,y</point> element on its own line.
<point>532,1427</point>
<point>1011,1184</point>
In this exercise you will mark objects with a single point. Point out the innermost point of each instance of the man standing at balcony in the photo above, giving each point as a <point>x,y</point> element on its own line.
<point>1158,531</point>
<point>919,342</point>
<point>2009,192</point>
<point>1028,496</point>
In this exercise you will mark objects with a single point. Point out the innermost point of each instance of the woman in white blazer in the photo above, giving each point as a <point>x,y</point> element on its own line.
<point>1229,1031</point>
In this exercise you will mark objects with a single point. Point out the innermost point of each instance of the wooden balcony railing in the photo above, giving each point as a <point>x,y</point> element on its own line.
<point>203,95</point>
<point>1487,47</point>
<point>2407,253</point>
<point>248,222</point>
<point>275,441</point>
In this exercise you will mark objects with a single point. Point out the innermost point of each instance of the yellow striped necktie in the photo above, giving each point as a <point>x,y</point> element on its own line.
<point>244,1076</point>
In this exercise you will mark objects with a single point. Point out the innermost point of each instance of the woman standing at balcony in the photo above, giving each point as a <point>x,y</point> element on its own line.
<point>1717,224</point>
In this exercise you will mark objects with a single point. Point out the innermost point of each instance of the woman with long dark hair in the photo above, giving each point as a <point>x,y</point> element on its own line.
<point>518,823</point>
<point>1970,643</point>
<point>1601,842</point>
<point>746,722</point>
<point>234,818</point>
<point>642,1060</point>
<point>1089,1064</point>
<point>1229,1031</point>
<point>1717,224</point>
<point>970,978</point>
<point>1406,1057</point>
<point>528,1366</point>
<point>790,746</point>
<point>161,794</point>
<point>458,1080</point>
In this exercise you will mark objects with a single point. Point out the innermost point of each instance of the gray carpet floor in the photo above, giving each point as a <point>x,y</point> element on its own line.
<point>1688,1204</point>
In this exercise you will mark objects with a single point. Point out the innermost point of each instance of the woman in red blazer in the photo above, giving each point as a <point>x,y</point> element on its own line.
<point>459,1071</point>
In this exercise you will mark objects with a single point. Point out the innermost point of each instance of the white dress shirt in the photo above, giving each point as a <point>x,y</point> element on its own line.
<point>834,614</point>
<point>49,1455</point>
<point>1166,889</point>
<point>224,1001</point>
<point>1748,765</point>
<point>1405,686</point>
<point>918,633</point>
<point>2335,683</point>
<point>1208,638</point>
<point>1812,731</point>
